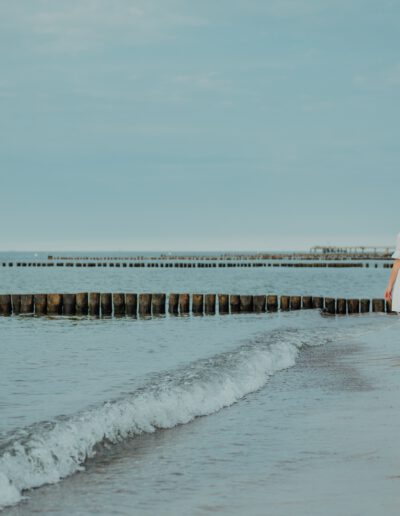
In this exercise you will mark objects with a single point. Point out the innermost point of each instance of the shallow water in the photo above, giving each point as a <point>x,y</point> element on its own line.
<point>114,406</point>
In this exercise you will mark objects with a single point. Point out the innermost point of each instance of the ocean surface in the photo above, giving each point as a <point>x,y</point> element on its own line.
<point>269,414</point>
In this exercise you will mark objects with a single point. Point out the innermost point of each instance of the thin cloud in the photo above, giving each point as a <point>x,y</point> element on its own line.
<point>380,79</point>
<point>392,75</point>
<point>6,90</point>
<point>317,105</point>
<point>290,8</point>
<point>86,24</point>
<point>211,81</point>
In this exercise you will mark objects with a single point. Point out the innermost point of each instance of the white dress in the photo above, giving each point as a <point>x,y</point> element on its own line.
<point>396,294</point>
<point>396,286</point>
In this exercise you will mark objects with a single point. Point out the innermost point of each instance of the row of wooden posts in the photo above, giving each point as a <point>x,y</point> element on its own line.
<point>190,265</point>
<point>145,304</point>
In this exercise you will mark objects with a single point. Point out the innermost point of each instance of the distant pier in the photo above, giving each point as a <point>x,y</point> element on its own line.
<point>324,253</point>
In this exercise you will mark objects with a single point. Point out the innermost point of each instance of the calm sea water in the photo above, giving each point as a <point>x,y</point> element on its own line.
<point>313,281</point>
<point>277,414</point>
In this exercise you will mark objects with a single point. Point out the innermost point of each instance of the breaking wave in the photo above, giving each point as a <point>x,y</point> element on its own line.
<point>47,452</point>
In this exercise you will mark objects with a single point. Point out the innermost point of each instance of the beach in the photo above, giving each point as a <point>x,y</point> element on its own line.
<point>277,413</point>
<point>197,258</point>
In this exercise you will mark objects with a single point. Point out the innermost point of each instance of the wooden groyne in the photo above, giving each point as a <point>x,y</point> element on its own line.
<point>188,264</point>
<point>98,304</point>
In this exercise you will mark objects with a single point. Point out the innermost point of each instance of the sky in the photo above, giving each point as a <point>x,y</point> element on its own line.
<point>208,125</point>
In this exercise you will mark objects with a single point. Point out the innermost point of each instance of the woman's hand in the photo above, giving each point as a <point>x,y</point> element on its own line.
<point>388,294</point>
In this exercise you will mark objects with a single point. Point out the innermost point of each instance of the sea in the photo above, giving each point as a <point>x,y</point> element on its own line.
<point>276,414</point>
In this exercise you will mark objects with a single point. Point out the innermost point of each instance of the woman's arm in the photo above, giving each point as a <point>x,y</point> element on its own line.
<point>392,279</point>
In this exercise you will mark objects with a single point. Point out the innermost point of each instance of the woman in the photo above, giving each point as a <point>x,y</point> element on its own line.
<point>393,289</point>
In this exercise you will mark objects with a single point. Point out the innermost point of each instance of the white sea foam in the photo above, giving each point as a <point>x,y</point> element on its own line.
<point>47,452</point>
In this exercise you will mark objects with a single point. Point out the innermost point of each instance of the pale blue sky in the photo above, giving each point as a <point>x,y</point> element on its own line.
<point>224,124</point>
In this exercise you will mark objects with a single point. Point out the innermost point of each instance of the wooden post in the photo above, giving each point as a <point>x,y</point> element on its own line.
<point>173,304</point>
<point>131,304</point>
<point>259,303</point>
<point>284,304</point>
<point>209,304</point>
<point>246,304</point>
<point>184,304</point>
<point>307,302</point>
<point>295,302</point>
<point>40,302</point>
<point>318,302</point>
<point>378,305</point>
<point>330,305</point>
<point>389,307</point>
<point>272,303</point>
<point>198,304</point>
<point>69,304</point>
<point>341,306</point>
<point>5,304</point>
<point>106,304</point>
<point>54,304</point>
<point>158,302</point>
<point>223,303</point>
<point>235,303</point>
<point>119,304</point>
<point>94,304</point>
<point>82,303</point>
<point>365,305</point>
<point>16,304</point>
<point>353,306</point>
<point>145,304</point>
<point>26,304</point>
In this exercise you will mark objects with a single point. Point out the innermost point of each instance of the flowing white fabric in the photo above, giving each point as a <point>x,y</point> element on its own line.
<point>396,295</point>
<point>396,287</point>
<point>396,254</point>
